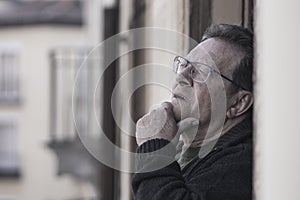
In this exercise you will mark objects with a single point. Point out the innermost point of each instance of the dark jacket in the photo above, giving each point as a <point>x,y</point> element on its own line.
<point>225,173</point>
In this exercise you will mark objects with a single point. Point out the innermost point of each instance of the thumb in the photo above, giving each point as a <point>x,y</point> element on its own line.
<point>187,124</point>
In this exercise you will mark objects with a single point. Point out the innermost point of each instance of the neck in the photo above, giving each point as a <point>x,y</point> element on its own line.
<point>230,123</point>
<point>216,131</point>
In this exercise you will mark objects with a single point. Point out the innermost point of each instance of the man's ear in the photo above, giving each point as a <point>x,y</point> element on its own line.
<point>242,103</point>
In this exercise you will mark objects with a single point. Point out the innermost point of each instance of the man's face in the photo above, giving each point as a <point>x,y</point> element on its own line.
<point>193,99</point>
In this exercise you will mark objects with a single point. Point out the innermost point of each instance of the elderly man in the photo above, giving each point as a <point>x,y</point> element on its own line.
<point>214,152</point>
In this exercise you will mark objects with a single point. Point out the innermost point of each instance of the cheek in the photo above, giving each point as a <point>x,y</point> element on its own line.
<point>202,95</point>
<point>203,101</point>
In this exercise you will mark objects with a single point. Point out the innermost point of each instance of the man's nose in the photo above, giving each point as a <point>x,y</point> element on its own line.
<point>184,77</point>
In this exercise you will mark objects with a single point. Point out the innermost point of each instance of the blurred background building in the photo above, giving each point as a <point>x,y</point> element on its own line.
<point>42,45</point>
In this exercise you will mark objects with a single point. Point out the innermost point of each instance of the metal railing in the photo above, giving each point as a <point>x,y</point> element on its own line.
<point>65,63</point>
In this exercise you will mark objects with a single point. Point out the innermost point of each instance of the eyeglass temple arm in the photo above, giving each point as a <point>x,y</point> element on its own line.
<point>228,79</point>
<point>223,76</point>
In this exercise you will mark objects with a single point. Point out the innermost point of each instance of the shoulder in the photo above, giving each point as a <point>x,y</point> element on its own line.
<point>222,158</point>
<point>227,170</point>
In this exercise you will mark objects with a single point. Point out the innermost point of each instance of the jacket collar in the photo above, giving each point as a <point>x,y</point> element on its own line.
<point>236,135</point>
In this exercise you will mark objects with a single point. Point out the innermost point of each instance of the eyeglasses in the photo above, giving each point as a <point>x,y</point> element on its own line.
<point>199,72</point>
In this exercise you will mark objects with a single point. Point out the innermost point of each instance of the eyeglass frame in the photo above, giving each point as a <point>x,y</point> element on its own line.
<point>211,69</point>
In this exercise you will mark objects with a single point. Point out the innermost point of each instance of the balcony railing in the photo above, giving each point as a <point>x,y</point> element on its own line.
<point>66,62</point>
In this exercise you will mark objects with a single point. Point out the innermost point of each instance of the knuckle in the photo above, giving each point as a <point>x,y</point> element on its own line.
<point>167,105</point>
<point>139,123</point>
<point>142,120</point>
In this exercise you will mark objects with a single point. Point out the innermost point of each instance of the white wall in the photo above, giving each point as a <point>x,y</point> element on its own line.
<point>170,15</point>
<point>38,163</point>
<point>277,105</point>
<point>166,14</point>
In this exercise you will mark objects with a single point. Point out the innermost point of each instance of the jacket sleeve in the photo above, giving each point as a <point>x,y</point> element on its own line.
<point>168,182</point>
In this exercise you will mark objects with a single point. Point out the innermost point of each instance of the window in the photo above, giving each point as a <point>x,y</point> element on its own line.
<point>9,161</point>
<point>65,63</point>
<point>9,73</point>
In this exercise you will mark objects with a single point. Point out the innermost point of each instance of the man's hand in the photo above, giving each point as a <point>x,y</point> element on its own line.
<point>159,123</point>
<point>188,129</point>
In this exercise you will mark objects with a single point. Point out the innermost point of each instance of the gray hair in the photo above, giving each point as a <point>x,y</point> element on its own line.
<point>241,38</point>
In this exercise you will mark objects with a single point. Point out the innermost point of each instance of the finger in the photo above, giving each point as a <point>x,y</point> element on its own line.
<point>144,121</point>
<point>168,107</point>
<point>187,124</point>
<point>140,123</point>
<point>154,108</point>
